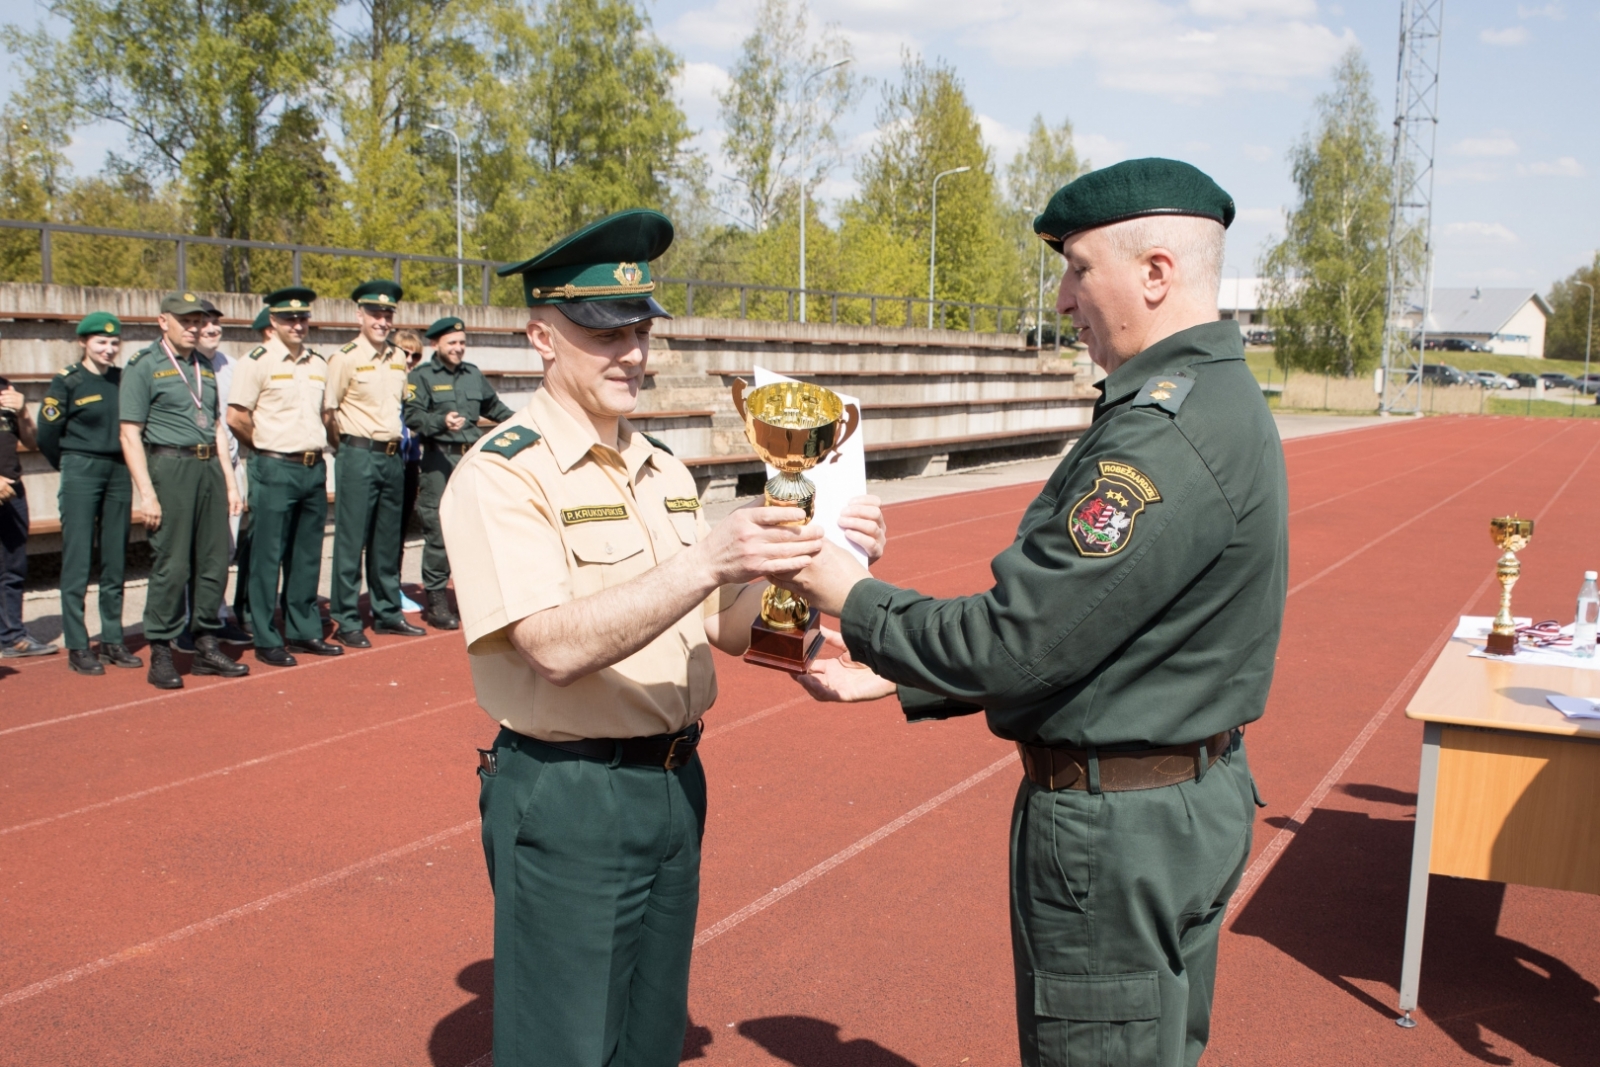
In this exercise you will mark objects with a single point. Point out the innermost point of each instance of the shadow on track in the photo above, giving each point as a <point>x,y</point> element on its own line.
<point>467,1033</point>
<point>1336,902</point>
<point>808,1042</point>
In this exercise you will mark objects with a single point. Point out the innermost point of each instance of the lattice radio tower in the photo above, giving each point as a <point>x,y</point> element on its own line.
<point>1416,127</point>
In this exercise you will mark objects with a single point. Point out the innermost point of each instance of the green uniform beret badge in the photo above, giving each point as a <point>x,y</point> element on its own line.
<point>440,327</point>
<point>1101,523</point>
<point>1167,393</point>
<point>1130,190</point>
<point>509,442</point>
<point>100,324</point>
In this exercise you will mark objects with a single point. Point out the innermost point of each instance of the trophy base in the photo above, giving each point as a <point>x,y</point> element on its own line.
<point>785,650</point>
<point>1501,645</point>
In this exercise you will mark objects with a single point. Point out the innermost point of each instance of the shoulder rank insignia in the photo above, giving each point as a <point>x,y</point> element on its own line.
<point>593,513</point>
<point>657,442</point>
<point>508,443</point>
<point>50,409</point>
<point>351,347</point>
<point>682,503</point>
<point>136,357</point>
<point>258,351</point>
<point>1166,393</point>
<point>1101,524</point>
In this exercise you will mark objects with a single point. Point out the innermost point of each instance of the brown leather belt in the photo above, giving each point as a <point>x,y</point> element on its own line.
<point>662,750</point>
<point>450,448</point>
<point>304,459</point>
<point>1121,771</point>
<point>186,451</point>
<point>388,448</point>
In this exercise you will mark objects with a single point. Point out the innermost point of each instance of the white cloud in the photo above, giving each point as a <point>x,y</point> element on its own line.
<point>1480,171</point>
<point>1003,141</point>
<point>1099,150</point>
<point>1257,153</point>
<point>1481,231</point>
<point>1506,38</point>
<point>1485,146</point>
<point>697,87</point>
<point>1266,216</point>
<point>1548,11</point>
<point>1564,167</point>
<point>1243,9</point>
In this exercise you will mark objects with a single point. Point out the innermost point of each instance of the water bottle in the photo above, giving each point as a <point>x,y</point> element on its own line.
<point>1583,627</point>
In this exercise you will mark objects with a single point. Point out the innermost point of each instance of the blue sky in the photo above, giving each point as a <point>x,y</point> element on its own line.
<point>1227,85</point>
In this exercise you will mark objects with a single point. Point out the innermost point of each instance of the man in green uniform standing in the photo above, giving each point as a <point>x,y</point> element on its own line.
<point>172,438</point>
<point>445,398</point>
<point>275,407</point>
<point>81,435</point>
<point>366,388</point>
<point>1128,637</point>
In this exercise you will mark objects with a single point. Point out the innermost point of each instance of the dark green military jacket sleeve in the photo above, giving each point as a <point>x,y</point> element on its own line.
<point>1142,598</point>
<point>435,390</point>
<point>80,413</point>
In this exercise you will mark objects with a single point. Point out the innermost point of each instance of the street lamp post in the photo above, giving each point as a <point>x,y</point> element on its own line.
<point>803,172</point>
<point>460,267</point>
<point>933,235</point>
<point>1587,340</point>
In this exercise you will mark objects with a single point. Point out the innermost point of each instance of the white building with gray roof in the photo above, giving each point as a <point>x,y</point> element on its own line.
<point>1509,322</point>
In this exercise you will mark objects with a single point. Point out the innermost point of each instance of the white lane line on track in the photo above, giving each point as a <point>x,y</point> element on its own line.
<point>255,674</point>
<point>1281,840</point>
<point>755,907</point>
<point>16,996</point>
<point>1393,477</point>
<point>221,771</point>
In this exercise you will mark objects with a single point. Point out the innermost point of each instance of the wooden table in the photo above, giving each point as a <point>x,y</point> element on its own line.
<point>1509,789</point>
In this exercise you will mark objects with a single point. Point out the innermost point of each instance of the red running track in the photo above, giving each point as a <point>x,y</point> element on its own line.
<point>285,869</point>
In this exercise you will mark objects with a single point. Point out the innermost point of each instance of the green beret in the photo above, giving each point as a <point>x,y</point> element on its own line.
<point>378,293</point>
<point>600,276</point>
<point>295,300</point>
<point>1130,190</point>
<point>182,304</point>
<point>100,324</point>
<point>440,327</point>
<point>263,321</point>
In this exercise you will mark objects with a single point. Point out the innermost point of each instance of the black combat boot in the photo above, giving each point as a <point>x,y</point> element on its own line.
<point>163,672</point>
<point>117,655</point>
<point>83,661</point>
<point>208,659</point>
<point>439,614</point>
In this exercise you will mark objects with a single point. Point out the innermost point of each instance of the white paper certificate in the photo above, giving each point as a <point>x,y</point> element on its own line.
<point>838,478</point>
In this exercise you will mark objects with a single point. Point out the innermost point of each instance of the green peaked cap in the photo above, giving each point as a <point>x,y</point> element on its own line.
<point>609,259</point>
<point>295,300</point>
<point>378,293</point>
<point>1129,190</point>
<point>100,324</point>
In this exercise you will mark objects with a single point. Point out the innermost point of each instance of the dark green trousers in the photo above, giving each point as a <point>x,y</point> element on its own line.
<point>96,498</point>
<point>192,541</point>
<point>1117,900</point>
<point>368,491</point>
<point>241,557</point>
<point>596,876</point>
<point>288,512</point>
<point>436,470</point>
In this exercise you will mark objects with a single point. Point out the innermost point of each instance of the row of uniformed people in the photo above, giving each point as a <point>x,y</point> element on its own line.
<point>163,423</point>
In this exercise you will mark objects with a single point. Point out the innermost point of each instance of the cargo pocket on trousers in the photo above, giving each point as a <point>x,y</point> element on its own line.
<point>1097,1020</point>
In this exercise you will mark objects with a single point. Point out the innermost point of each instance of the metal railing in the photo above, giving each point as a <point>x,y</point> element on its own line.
<point>767,302</point>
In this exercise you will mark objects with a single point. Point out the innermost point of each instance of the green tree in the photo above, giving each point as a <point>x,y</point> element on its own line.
<point>1326,279</point>
<point>217,93</point>
<point>1567,332</point>
<point>778,112</point>
<point>925,126</point>
<point>1044,164</point>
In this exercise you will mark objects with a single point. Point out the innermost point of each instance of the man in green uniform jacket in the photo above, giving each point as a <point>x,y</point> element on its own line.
<point>445,399</point>
<point>80,434</point>
<point>1128,637</point>
<point>172,438</point>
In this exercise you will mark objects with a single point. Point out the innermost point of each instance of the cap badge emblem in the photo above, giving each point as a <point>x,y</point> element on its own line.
<point>110,328</point>
<point>627,274</point>
<point>294,303</point>
<point>189,297</point>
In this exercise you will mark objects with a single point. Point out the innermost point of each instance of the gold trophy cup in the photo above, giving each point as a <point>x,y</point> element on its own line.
<point>793,426</point>
<point>1511,534</point>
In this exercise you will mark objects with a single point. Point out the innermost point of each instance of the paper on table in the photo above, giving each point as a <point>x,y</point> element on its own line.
<point>1542,657</point>
<point>1575,707</point>
<point>840,477</point>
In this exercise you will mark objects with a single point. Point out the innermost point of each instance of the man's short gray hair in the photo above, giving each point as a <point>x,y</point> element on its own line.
<point>1197,243</point>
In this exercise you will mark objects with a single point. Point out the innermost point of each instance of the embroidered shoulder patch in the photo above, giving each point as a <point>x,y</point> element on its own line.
<point>593,513</point>
<point>258,351</point>
<point>351,347</point>
<point>1101,524</point>
<point>50,409</point>
<point>657,442</point>
<point>682,503</point>
<point>509,442</point>
<point>411,390</point>
<point>1166,393</point>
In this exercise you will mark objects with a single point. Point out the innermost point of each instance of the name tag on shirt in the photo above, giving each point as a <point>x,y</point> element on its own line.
<point>82,400</point>
<point>444,388</point>
<point>368,367</point>
<point>683,503</point>
<point>593,513</point>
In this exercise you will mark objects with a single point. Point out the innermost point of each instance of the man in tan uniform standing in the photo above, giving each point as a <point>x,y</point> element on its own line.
<point>275,407</point>
<point>591,589</point>
<point>366,386</point>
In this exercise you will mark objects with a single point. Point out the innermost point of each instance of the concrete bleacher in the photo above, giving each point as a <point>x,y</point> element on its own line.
<point>932,400</point>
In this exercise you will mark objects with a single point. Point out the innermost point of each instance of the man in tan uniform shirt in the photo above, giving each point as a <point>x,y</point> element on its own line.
<point>591,589</point>
<point>366,386</point>
<point>275,407</point>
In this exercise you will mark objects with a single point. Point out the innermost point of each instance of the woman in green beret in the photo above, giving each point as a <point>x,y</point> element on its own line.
<point>79,435</point>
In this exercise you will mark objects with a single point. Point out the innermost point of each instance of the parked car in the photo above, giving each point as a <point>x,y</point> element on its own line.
<point>1443,374</point>
<point>1493,379</point>
<point>1589,383</point>
<point>1553,380</point>
<point>1524,380</point>
<point>1258,337</point>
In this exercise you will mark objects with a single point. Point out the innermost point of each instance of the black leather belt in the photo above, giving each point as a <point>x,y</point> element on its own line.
<point>388,448</point>
<point>186,451</point>
<point>662,750</point>
<point>303,459</point>
<point>449,448</point>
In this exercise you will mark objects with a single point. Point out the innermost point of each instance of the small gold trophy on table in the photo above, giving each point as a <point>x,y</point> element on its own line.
<point>1513,535</point>
<point>793,426</point>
